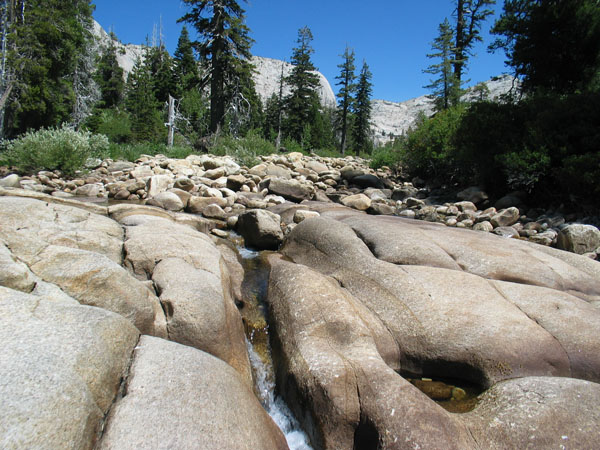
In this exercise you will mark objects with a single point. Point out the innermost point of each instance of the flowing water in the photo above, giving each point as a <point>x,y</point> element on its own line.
<point>254,291</point>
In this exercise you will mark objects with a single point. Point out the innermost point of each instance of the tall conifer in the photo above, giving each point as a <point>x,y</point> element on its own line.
<point>362,111</point>
<point>224,45</point>
<point>303,83</point>
<point>346,80</point>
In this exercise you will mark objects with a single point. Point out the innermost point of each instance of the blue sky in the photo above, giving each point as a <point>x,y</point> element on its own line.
<point>393,36</point>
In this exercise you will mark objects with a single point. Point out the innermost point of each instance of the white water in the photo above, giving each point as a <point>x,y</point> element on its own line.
<point>274,405</point>
<point>265,385</point>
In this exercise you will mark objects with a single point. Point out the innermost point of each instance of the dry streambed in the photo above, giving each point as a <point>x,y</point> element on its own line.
<point>131,321</point>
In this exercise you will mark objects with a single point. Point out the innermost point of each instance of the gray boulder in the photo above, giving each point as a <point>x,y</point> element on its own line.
<point>261,229</point>
<point>578,238</point>
<point>167,200</point>
<point>506,217</point>
<point>11,181</point>
<point>61,370</point>
<point>291,190</point>
<point>180,397</point>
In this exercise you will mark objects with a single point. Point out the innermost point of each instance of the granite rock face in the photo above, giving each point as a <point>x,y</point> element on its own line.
<point>360,300</point>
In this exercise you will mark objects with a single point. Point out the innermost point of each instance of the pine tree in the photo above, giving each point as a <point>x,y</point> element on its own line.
<point>185,66</point>
<point>303,83</point>
<point>446,88</point>
<point>362,111</point>
<point>161,70</point>
<point>554,46</point>
<point>109,77</point>
<point>470,14</point>
<point>346,80</point>
<point>45,44</point>
<point>141,102</point>
<point>225,46</point>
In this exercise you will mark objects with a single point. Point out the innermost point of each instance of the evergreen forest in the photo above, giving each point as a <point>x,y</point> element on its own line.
<point>543,137</point>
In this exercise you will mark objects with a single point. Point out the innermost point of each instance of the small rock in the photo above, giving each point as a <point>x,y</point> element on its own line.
<point>214,212</point>
<point>166,200</point>
<point>507,232</point>
<point>483,226</point>
<point>466,206</point>
<point>88,190</point>
<point>183,183</point>
<point>11,181</point>
<point>302,214</point>
<point>407,213</point>
<point>357,201</point>
<point>472,194</point>
<point>506,217</point>
<point>411,202</point>
<point>235,182</point>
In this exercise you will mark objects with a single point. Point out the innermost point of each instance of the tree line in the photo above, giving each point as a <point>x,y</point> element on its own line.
<point>53,73</point>
<point>542,139</point>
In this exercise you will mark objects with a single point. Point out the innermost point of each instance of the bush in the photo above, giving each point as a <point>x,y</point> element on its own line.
<point>429,149</point>
<point>388,155</point>
<point>245,150</point>
<point>131,152</point>
<point>61,149</point>
<point>116,125</point>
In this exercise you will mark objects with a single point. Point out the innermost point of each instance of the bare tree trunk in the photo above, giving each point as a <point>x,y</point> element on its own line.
<point>171,123</point>
<point>280,109</point>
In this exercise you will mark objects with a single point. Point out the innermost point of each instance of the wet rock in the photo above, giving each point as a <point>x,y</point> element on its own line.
<point>261,229</point>
<point>578,238</point>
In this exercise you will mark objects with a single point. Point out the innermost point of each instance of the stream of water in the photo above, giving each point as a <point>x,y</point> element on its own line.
<point>254,290</point>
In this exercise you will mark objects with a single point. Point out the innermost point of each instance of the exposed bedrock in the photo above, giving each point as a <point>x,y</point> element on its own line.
<point>336,368</point>
<point>348,324</point>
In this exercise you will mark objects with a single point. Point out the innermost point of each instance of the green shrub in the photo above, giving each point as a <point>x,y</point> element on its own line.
<point>429,149</point>
<point>244,150</point>
<point>131,152</point>
<point>115,124</point>
<point>61,149</point>
<point>389,154</point>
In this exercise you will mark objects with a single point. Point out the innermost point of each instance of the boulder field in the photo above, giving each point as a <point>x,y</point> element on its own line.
<point>122,322</point>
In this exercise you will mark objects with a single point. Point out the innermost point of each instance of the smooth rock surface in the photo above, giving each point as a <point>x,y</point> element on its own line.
<point>61,367</point>
<point>182,398</point>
